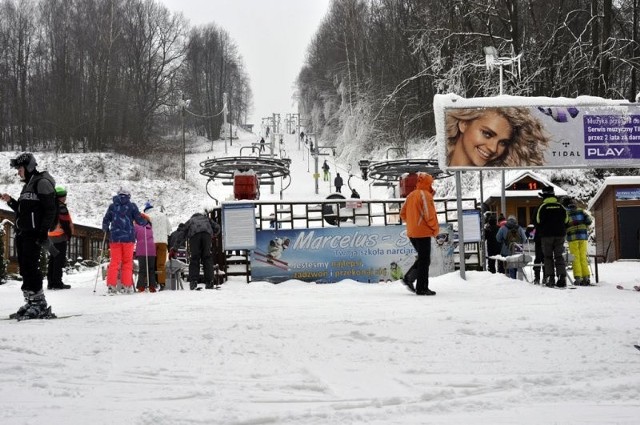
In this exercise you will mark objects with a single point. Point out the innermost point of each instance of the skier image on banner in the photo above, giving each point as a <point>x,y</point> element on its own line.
<point>276,248</point>
<point>396,271</point>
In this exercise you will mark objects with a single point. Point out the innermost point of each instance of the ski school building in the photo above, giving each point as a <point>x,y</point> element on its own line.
<point>86,243</point>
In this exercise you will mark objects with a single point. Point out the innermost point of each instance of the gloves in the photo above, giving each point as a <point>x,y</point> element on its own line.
<point>173,253</point>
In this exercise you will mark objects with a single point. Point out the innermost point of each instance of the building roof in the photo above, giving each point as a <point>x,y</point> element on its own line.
<point>516,176</point>
<point>613,181</point>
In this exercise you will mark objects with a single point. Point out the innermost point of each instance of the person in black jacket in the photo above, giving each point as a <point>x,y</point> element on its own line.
<point>199,230</point>
<point>35,215</point>
<point>337,182</point>
<point>493,246</point>
<point>552,219</point>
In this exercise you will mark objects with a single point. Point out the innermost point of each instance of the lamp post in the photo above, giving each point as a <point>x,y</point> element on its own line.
<point>492,59</point>
<point>183,104</point>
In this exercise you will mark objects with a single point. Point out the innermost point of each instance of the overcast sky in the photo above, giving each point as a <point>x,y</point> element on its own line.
<point>272,36</point>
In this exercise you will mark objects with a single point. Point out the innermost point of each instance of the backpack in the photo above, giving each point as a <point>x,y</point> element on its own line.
<point>514,241</point>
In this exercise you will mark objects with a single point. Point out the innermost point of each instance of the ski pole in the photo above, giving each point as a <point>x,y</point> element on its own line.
<point>101,257</point>
<point>146,257</point>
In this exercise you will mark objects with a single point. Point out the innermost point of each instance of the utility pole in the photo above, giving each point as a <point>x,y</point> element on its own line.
<point>183,104</point>
<point>224,115</point>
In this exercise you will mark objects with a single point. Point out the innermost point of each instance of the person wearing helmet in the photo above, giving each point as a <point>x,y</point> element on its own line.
<point>35,215</point>
<point>59,236</point>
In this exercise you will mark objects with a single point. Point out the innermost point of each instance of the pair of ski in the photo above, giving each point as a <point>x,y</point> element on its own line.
<point>66,316</point>
<point>267,259</point>
<point>622,288</point>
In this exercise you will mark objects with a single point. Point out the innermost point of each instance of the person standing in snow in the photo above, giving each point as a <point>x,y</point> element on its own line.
<point>552,219</point>
<point>493,246</point>
<point>419,213</point>
<point>577,235</point>
<point>35,215</point>
<point>325,169</point>
<point>511,236</point>
<point>337,182</point>
<point>146,255</point>
<point>118,224</point>
<point>199,231</point>
<point>161,231</point>
<point>59,236</point>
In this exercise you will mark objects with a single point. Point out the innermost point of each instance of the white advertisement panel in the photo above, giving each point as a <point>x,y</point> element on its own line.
<point>536,132</point>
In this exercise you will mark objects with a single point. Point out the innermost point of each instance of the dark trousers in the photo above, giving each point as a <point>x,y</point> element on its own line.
<point>146,271</point>
<point>552,249</point>
<point>28,261</point>
<point>56,265</point>
<point>423,247</point>
<point>200,246</point>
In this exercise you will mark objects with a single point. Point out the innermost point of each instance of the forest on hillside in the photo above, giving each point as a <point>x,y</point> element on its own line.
<point>109,75</point>
<point>374,65</point>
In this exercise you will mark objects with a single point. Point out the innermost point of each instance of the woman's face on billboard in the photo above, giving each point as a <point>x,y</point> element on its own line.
<point>481,140</point>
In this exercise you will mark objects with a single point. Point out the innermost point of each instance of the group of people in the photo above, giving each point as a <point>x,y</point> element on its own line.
<point>337,182</point>
<point>131,232</point>
<point>555,223</point>
<point>43,221</point>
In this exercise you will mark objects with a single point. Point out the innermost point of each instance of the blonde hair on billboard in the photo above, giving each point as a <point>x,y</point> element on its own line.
<point>528,140</point>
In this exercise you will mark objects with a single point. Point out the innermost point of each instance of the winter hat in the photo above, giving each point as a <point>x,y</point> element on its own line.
<point>26,160</point>
<point>147,206</point>
<point>547,192</point>
<point>124,191</point>
<point>61,191</point>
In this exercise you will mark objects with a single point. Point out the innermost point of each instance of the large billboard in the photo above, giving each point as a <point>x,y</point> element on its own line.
<point>325,255</point>
<point>536,132</point>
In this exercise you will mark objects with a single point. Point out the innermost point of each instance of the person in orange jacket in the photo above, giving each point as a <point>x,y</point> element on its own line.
<point>419,213</point>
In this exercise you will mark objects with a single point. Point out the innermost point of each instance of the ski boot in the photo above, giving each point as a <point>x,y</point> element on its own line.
<point>578,281</point>
<point>586,281</point>
<point>562,281</point>
<point>37,307</point>
<point>549,281</point>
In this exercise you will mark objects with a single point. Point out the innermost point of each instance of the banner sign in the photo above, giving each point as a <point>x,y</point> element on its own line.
<point>628,194</point>
<point>537,132</point>
<point>326,255</point>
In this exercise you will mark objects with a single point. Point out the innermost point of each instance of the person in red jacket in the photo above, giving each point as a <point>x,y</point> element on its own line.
<point>419,213</point>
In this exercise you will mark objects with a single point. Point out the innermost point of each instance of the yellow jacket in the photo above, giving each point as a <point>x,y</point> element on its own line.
<point>419,210</point>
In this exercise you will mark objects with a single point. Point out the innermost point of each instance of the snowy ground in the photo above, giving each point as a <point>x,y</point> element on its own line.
<point>488,350</point>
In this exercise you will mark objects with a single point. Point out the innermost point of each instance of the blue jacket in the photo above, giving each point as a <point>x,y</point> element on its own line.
<point>578,226</point>
<point>118,220</point>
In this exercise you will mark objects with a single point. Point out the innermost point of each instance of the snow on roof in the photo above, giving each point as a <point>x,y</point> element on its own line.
<point>612,181</point>
<point>515,176</point>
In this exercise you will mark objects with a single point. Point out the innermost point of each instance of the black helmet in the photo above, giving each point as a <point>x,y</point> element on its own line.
<point>26,160</point>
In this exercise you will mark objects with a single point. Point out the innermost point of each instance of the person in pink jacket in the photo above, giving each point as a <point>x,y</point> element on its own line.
<point>146,255</point>
<point>419,213</point>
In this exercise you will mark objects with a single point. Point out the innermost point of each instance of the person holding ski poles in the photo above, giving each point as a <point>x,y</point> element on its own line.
<point>146,255</point>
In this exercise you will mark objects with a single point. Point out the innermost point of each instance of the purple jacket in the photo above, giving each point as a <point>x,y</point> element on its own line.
<point>145,247</point>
